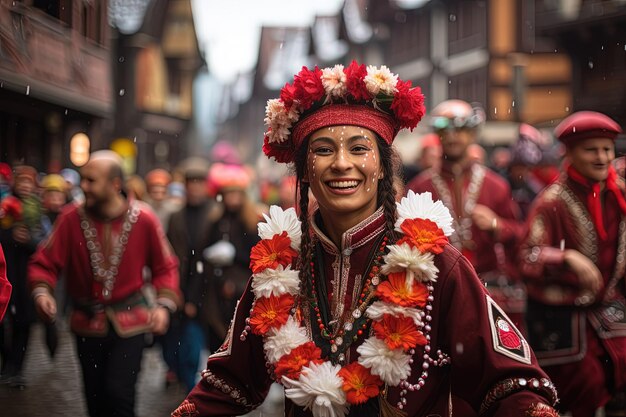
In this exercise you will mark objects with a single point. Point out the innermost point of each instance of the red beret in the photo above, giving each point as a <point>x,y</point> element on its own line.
<point>586,125</point>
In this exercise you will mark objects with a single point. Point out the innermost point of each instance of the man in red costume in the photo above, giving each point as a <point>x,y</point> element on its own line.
<point>487,221</point>
<point>103,248</point>
<point>573,263</point>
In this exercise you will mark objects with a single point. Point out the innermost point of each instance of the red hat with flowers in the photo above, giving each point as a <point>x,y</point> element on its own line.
<point>370,97</point>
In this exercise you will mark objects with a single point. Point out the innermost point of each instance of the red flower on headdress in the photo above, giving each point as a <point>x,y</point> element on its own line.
<point>269,253</point>
<point>408,104</point>
<point>395,291</point>
<point>308,86</point>
<point>358,383</point>
<point>291,364</point>
<point>269,312</point>
<point>424,235</point>
<point>398,332</point>
<point>287,95</point>
<point>281,152</point>
<point>354,81</point>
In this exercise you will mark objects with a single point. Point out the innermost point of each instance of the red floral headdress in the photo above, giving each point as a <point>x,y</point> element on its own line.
<point>371,97</point>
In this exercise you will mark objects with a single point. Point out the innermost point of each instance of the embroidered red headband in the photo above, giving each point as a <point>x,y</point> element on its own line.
<point>370,97</point>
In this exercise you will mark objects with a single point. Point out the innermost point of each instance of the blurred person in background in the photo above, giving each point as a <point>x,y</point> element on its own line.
<point>73,190</point>
<point>287,192</point>
<point>429,157</point>
<point>19,236</point>
<point>233,234</point>
<point>157,183</point>
<point>135,188</point>
<point>6,176</point>
<point>188,231</point>
<point>488,224</point>
<point>102,247</point>
<point>363,308</point>
<point>526,154</point>
<point>573,262</point>
<point>477,154</point>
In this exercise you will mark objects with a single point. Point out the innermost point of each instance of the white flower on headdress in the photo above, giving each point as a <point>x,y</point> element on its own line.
<point>422,206</point>
<point>276,282</point>
<point>280,221</point>
<point>391,365</point>
<point>279,120</point>
<point>283,340</point>
<point>334,81</point>
<point>418,265</point>
<point>380,80</point>
<point>319,389</point>
<point>378,309</point>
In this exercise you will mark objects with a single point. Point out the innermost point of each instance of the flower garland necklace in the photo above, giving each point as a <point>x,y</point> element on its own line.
<point>400,313</point>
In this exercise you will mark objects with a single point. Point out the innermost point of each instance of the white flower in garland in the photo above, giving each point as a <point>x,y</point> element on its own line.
<point>380,80</point>
<point>418,265</point>
<point>279,221</point>
<point>334,81</point>
<point>319,389</point>
<point>279,120</point>
<point>378,309</point>
<point>392,366</point>
<point>422,206</point>
<point>276,282</point>
<point>283,340</point>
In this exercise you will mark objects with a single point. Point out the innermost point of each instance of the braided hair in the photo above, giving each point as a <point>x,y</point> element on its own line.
<point>386,197</point>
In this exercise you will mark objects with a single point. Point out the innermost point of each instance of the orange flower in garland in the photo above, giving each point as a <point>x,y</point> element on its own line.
<point>395,291</point>
<point>398,332</point>
<point>270,312</point>
<point>424,235</point>
<point>269,253</point>
<point>358,383</point>
<point>291,364</point>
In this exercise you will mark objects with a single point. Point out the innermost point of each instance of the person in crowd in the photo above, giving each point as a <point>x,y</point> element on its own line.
<point>157,182</point>
<point>73,190</point>
<point>526,154</point>
<point>573,263</point>
<point>102,247</point>
<point>136,188</point>
<point>487,222</point>
<point>19,237</point>
<point>6,176</point>
<point>231,238</point>
<point>429,157</point>
<point>287,192</point>
<point>476,153</point>
<point>5,287</point>
<point>363,308</point>
<point>188,231</point>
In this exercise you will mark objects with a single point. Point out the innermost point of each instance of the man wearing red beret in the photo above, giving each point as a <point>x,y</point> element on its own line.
<point>573,261</point>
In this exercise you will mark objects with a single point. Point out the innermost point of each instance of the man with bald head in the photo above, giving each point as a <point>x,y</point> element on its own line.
<point>111,309</point>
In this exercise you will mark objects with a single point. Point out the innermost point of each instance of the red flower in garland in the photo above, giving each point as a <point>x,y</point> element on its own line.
<point>270,312</point>
<point>308,86</point>
<point>291,364</point>
<point>269,253</point>
<point>408,104</point>
<point>358,383</point>
<point>394,290</point>
<point>279,152</point>
<point>354,81</point>
<point>424,235</point>
<point>398,332</point>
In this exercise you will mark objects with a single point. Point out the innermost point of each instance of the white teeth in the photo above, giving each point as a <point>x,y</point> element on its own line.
<point>343,184</point>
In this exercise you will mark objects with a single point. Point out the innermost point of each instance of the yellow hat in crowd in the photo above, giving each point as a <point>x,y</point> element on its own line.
<point>53,182</point>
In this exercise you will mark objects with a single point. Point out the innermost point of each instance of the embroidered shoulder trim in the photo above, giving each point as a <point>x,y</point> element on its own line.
<point>186,409</point>
<point>541,410</point>
<point>510,386</point>
<point>224,387</point>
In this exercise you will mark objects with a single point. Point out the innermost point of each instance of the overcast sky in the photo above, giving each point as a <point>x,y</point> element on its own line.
<point>229,31</point>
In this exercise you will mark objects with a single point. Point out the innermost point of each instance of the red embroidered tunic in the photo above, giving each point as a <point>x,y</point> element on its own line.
<point>66,250</point>
<point>492,370</point>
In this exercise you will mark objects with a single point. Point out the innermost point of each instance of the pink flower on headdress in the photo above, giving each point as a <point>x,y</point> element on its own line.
<point>334,81</point>
<point>355,74</point>
<point>380,80</point>
<point>408,104</point>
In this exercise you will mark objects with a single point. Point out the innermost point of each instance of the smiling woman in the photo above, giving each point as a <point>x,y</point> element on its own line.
<point>362,308</point>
